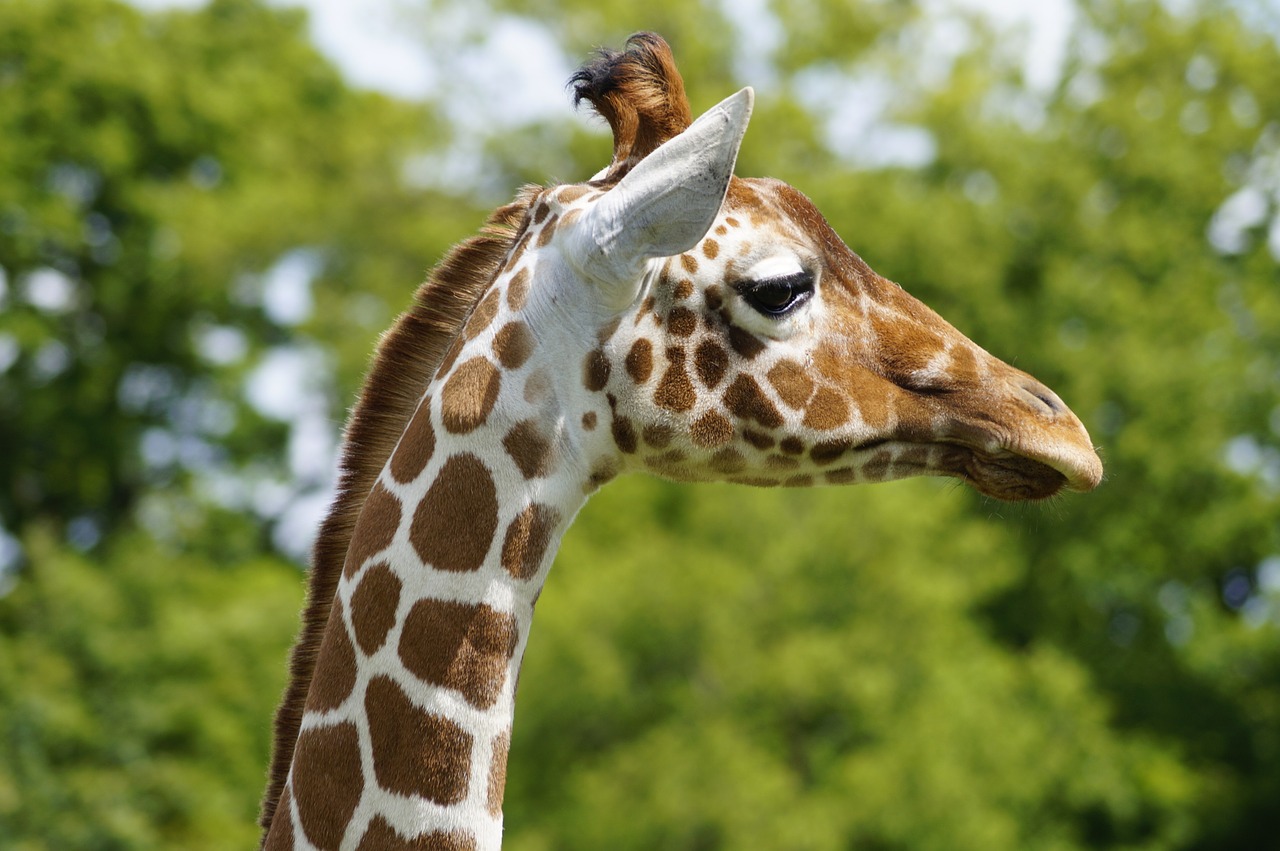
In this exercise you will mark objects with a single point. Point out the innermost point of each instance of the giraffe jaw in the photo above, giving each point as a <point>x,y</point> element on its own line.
<point>1015,476</point>
<point>997,472</point>
<point>1007,476</point>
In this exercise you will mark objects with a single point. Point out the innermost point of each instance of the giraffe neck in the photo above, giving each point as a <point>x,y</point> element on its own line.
<point>408,719</point>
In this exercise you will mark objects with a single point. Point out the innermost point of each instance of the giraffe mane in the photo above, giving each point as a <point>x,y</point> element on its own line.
<point>640,93</point>
<point>407,357</point>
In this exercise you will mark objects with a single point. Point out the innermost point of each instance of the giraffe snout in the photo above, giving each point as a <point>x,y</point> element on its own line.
<point>1053,434</point>
<point>1039,397</point>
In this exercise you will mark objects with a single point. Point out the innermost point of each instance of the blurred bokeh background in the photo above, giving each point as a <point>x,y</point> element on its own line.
<point>208,212</point>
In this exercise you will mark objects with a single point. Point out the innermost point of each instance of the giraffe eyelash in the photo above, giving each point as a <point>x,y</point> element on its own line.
<point>776,297</point>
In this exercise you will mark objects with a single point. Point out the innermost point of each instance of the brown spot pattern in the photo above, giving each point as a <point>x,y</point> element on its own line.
<point>381,836</point>
<point>548,231</point>
<point>416,446</point>
<point>963,369</point>
<point>728,461</point>
<point>335,674</point>
<point>753,481</point>
<point>483,314</point>
<point>569,194</point>
<point>469,395</point>
<point>878,466</point>
<point>513,344</point>
<point>375,528</point>
<point>828,410</point>
<point>373,606</point>
<point>682,321</point>
<point>459,646</point>
<point>415,752</point>
<point>646,308</point>
<point>658,435</point>
<point>758,439</point>
<point>516,253</point>
<point>601,476</point>
<point>873,397</point>
<point>537,387</point>
<point>683,290</point>
<point>792,445</point>
<point>675,391</point>
<point>640,361</point>
<point>748,402</point>
<point>518,290</point>
<point>744,342</point>
<point>530,449</point>
<point>280,837</point>
<point>828,451</point>
<point>595,370</point>
<point>711,361</point>
<point>916,456</point>
<point>624,434</point>
<point>589,420</point>
<point>455,521</point>
<point>498,772</point>
<point>711,429</point>
<point>710,249</point>
<point>527,540</point>
<point>713,298</point>
<point>794,386</point>
<point>327,782</point>
<point>905,346</point>
<point>689,263</point>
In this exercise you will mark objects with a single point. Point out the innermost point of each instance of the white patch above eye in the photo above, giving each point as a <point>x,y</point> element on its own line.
<point>775,267</point>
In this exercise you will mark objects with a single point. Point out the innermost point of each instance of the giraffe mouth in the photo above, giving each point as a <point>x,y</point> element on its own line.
<point>1000,474</point>
<point>1005,476</point>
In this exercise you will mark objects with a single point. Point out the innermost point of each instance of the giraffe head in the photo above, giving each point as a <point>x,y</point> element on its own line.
<point>741,339</point>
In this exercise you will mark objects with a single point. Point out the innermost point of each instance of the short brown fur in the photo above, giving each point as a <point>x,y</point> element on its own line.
<point>407,358</point>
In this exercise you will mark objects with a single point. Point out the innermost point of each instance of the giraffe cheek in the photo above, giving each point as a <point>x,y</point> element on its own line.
<point>827,410</point>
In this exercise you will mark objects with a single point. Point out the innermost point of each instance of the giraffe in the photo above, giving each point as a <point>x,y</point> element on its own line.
<point>665,316</point>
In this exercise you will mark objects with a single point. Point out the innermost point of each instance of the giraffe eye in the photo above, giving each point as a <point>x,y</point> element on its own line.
<point>777,296</point>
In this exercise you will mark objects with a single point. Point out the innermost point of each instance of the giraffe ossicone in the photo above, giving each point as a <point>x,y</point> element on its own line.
<point>666,317</point>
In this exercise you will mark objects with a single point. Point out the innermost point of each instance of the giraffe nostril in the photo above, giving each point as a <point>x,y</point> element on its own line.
<point>1040,397</point>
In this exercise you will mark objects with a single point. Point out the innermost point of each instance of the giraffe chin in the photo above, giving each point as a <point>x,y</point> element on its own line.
<point>1002,474</point>
<point>1005,476</point>
<point>1011,478</point>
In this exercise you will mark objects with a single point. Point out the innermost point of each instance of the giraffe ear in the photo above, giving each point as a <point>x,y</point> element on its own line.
<point>665,205</point>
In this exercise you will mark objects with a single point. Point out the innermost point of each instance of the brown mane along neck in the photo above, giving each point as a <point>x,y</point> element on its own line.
<point>407,357</point>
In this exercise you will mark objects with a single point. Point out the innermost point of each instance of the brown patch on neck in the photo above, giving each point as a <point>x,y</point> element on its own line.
<point>407,357</point>
<point>640,93</point>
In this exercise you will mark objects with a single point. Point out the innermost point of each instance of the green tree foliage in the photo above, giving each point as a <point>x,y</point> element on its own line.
<point>154,169</point>
<point>906,666</point>
<point>131,686</point>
